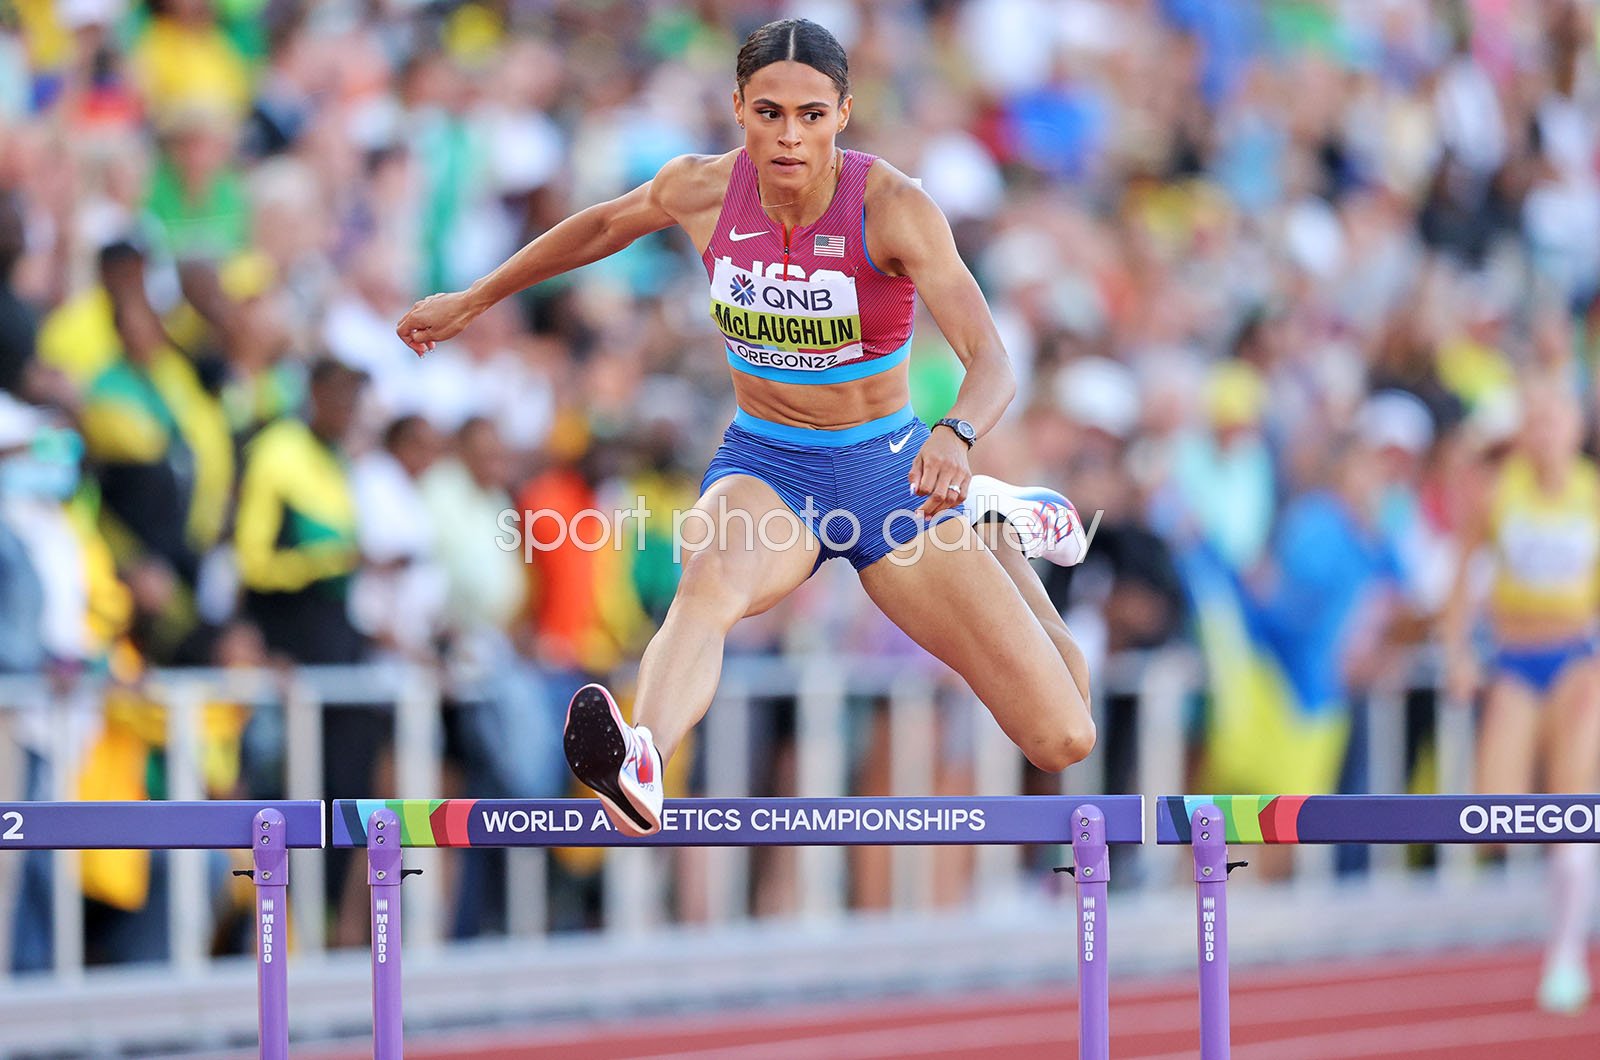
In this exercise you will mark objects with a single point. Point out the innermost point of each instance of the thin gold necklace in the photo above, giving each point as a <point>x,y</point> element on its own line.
<point>820,181</point>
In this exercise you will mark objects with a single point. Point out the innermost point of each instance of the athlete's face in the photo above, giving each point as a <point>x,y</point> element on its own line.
<point>791,113</point>
<point>1552,425</point>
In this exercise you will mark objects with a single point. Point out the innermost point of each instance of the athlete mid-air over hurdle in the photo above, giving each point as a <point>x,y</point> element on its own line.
<point>815,255</point>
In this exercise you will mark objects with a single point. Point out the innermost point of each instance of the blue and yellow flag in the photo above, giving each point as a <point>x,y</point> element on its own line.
<point>1261,736</point>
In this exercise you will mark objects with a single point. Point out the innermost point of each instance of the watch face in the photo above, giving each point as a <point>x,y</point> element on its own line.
<point>962,429</point>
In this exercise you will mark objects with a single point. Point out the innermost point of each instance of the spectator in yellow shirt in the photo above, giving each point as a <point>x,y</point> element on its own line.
<point>185,59</point>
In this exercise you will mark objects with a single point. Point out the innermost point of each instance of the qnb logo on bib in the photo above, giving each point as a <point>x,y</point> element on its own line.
<point>804,324</point>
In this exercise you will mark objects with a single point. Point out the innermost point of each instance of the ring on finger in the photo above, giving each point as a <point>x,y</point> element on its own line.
<point>953,488</point>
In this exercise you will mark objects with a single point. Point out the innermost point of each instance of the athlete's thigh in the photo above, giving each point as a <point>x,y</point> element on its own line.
<point>1508,737</point>
<point>1571,720</point>
<point>951,596</point>
<point>741,538</point>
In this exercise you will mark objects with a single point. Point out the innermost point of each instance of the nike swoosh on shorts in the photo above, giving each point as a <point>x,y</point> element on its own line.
<point>895,447</point>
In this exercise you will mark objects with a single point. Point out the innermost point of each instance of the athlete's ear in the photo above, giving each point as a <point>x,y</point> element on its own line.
<point>844,112</point>
<point>738,107</point>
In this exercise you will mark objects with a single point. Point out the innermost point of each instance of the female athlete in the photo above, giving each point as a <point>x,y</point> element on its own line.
<point>1541,715</point>
<point>815,255</point>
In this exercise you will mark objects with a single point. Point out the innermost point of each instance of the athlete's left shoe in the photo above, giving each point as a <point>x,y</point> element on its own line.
<point>617,760</point>
<point>1564,988</point>
<point>1046,523</point>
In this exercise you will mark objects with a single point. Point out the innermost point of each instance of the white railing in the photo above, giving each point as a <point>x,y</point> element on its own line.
<point>940,740</point>
<point>56,724</point>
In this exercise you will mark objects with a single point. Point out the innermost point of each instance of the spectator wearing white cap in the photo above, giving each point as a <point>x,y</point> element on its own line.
<point>1397,428</point>
<point>1101,395</point>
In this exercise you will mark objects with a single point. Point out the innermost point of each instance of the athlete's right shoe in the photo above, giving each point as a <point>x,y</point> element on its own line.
<point>619,761</point>
<point>1564,988</point>
<point>1046,523</point>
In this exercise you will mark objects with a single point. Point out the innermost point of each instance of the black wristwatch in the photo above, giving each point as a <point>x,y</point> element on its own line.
<point>963,429</point>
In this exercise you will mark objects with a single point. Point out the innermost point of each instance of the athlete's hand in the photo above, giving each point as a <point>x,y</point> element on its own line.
<point>941,472</point>
<point>436,318</point>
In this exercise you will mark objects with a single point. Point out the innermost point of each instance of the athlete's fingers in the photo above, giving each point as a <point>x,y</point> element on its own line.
<point>915,476</point>
<point>418,341</point>
<point>933,473</point>
<point>415,318</point>
<point>950,492</point>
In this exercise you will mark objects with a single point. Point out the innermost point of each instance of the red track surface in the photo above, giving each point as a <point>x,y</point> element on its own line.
<point>1471,1006</point>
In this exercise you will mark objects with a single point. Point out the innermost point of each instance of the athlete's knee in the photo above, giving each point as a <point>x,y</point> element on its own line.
<point>1066,746</point>
<point>709,583</point>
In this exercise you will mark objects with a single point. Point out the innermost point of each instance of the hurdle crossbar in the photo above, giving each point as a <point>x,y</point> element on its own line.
<point>385,828</point>
<point>999,820</point>
<point>268,829</point>
<point>1387,818</point>
<point>221,825</point>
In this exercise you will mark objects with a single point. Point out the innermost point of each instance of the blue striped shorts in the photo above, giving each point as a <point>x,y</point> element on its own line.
<point>849,487</point>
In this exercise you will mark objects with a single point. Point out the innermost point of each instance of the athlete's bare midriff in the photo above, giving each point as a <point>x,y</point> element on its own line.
<point>827,406</point>
<point>1524,630</point>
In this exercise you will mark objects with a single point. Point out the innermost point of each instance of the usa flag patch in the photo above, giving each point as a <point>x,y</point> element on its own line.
<point>828,247</point>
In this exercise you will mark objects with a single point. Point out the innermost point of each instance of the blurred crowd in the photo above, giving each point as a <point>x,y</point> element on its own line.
<point>1269,271</point>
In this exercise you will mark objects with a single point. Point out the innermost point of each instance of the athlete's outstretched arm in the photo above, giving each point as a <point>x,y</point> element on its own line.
<point>586,236</point>
<point>910,231</point>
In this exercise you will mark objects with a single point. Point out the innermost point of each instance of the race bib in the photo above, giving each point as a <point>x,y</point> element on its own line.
<point>804,324</point>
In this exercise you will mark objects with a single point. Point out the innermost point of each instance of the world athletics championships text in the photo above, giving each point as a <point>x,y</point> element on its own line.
<point>760,819</point>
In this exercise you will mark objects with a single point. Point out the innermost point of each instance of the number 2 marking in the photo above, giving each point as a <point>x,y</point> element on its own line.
<point>14,819</point>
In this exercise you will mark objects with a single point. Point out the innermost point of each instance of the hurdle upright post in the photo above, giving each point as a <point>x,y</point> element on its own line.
<point>1209,832</point>
<point>270,855</point>
<point>384,874</point>
<point>1092,869</point>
